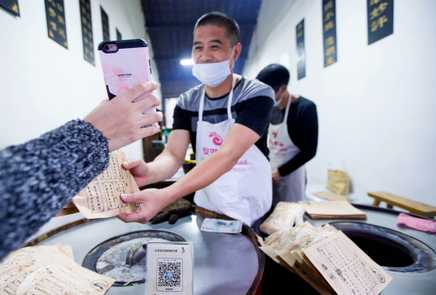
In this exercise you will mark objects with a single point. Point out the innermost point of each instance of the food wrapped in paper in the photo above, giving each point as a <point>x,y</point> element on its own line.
<point>288,235</point>
<point>285,215</point>
<point>101,197</point>
<point>283,238</point>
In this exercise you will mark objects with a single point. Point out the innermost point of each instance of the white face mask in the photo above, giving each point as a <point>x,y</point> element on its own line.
<point>277,102</point>
<point>212,74</point>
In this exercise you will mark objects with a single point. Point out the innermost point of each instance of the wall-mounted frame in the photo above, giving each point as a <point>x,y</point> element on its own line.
<point>119,37</point>
<point>87,36</point>
<point>11,6</point>
<point>380,19</point>
<point>301,51</point>
<point>105,24</point>
<point>56,23</point>
<point>329,32</point>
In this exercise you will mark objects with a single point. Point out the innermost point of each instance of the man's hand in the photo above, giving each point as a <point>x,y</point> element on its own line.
<point>140,171</point>
<point>275,176</point>
<point>151,202</point>
<point>165,164</point>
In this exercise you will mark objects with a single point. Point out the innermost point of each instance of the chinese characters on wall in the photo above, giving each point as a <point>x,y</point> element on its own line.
<point>87,37</point>
<point>301,52</point>
<point>380,14</point>
<point>55,15</point>
<point>11,6</point>
<point>380,19</point>
<point>105,24</point>
<point>329,32</point>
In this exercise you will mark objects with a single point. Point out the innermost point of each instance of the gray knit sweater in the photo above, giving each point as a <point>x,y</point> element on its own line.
<point>41,176</point>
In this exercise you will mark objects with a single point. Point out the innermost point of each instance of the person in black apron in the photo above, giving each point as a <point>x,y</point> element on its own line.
<point>226,119</point>
<point>292,136</point>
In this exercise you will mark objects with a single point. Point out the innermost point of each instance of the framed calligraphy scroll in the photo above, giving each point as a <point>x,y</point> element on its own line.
<point>380,19</point>
<point>11,6</point>
<point>329,32</point>
<point>301,51</point>
<point>55,15</point>
<point>87,37</point>
<point>118,35</point>
<point>105,24</point>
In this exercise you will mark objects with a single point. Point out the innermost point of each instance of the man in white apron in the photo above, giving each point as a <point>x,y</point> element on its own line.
<point>226,119</point>
<point>292,136</point>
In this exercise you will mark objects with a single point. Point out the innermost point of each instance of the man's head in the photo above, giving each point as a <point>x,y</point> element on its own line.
<point>274,75</point>
<point>216,38</point>
<point>221,20</point>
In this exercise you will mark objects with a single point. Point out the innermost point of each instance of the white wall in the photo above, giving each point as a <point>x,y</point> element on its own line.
<point>376,105</point>
<point>43,85</point>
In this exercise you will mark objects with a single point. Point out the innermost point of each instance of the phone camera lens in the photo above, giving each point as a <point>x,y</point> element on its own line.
<point>106,47</point>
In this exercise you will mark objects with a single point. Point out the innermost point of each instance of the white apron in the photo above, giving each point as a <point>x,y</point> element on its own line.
<point>242,193</point>
<point>290,188</point>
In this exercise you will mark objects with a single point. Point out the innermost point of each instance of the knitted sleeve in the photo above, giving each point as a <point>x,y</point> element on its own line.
<point>41,176</point>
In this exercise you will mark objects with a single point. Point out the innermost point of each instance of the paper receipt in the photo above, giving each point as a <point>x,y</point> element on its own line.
<point>101,197</point>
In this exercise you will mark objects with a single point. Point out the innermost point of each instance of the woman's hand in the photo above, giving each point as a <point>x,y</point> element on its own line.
<point>120,120</point>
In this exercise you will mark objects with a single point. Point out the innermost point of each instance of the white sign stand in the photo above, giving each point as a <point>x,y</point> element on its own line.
<point>170,268</point>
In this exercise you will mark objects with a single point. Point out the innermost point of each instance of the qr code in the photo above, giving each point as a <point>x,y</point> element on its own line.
<point>169,274</point>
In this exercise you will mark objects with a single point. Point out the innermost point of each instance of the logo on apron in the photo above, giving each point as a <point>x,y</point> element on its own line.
<point>274,143</point>
<point>216,139</point>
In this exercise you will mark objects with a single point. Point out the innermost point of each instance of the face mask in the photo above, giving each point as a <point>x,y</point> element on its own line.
<point>212,74</point>
<point>277,102</point>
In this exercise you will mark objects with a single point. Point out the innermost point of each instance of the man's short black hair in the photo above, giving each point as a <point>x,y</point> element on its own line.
<point>274,75</point>
<point>221,20</point>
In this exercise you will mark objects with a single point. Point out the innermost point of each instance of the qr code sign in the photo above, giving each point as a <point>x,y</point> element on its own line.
<point>169,274</point>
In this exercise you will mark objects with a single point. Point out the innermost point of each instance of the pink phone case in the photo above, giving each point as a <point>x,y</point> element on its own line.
<point>125,68</point>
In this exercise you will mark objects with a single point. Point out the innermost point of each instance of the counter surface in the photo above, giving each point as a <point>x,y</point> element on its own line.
<point>223,263</point>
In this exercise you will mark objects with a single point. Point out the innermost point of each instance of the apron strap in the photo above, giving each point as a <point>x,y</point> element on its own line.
<point>288,106</point>
<point>229,102</point>
<point>200,110</point>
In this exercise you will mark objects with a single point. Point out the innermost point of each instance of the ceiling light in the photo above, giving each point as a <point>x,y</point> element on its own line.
<point>186,62</point>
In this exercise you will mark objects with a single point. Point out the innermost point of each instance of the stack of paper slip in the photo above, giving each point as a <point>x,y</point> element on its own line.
<point>49,270</point>
<point>332,210</point>
<point>327,259</point>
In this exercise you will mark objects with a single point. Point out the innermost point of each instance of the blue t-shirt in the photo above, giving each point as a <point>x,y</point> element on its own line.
<point>251,106</point>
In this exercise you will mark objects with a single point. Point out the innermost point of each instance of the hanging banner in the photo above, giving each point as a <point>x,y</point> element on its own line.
<point>329,32</point>
<point>301,52</point>
<point>380,19</point>
<point>105,24</point>
<point>118,35</point>
<point>11,6</point>
<point>87,37</point>
<point>55,15</point>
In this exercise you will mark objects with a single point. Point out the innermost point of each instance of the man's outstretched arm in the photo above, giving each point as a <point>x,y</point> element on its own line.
<point>237,141</point>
